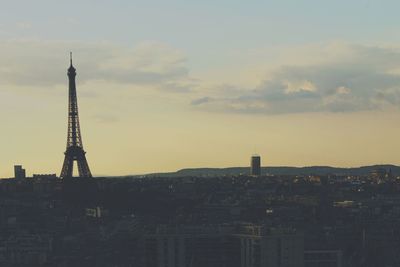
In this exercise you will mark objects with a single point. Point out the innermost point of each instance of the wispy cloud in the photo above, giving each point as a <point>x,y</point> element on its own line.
<point>105,118</point>
<point>37,63</point>
<point>325,78</point>
<point>201,100</point>
<point>23,25</point>
<point>356,78</point>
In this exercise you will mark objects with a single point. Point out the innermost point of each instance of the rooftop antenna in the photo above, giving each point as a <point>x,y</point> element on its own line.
<point>255,151</point>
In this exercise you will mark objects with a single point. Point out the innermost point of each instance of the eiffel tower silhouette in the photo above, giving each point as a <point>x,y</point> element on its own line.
<point>74,150</point>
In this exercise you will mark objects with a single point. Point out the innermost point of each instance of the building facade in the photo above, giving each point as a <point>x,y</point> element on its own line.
<point>255,165</point>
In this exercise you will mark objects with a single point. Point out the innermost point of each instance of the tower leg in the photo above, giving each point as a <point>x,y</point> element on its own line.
<point>72,154</point>
<point>67,169</point>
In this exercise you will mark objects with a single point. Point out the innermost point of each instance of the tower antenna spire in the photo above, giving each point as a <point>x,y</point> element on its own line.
<point>70,57</point>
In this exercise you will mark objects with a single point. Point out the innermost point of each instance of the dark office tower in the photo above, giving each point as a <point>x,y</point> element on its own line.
<point>255,169</point>
<point>74,150</point>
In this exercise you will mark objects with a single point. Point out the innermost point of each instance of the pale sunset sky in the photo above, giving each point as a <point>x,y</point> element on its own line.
<point>165,85</point>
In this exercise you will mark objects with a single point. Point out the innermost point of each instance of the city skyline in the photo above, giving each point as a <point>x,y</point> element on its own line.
<point>153,99</point>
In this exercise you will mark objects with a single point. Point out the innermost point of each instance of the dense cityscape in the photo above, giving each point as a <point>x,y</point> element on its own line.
<point>265,74</point>
<point>249,219</point>
<point>253,219</point>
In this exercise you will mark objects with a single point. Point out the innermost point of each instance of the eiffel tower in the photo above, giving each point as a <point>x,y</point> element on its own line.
<point>74,150</point>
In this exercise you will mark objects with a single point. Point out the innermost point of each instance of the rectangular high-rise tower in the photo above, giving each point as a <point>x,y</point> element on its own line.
<point>255,163</point>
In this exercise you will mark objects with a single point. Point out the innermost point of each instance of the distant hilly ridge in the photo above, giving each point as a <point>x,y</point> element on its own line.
<point>312,170</point>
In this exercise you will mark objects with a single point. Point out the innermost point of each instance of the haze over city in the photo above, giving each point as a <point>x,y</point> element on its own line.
<point>165,85</point>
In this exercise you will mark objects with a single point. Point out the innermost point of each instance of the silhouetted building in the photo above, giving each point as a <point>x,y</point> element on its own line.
<point>26,250</point>
<point>255,168</point>
<point>44,176</point>
<point>243,246</point>
<point>195,246</point>
<point>19,172</point>
<point>261,246</point>
<point>326,258</point>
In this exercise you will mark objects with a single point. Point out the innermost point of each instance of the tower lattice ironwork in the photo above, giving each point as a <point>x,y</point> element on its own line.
<point>74,150</point>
